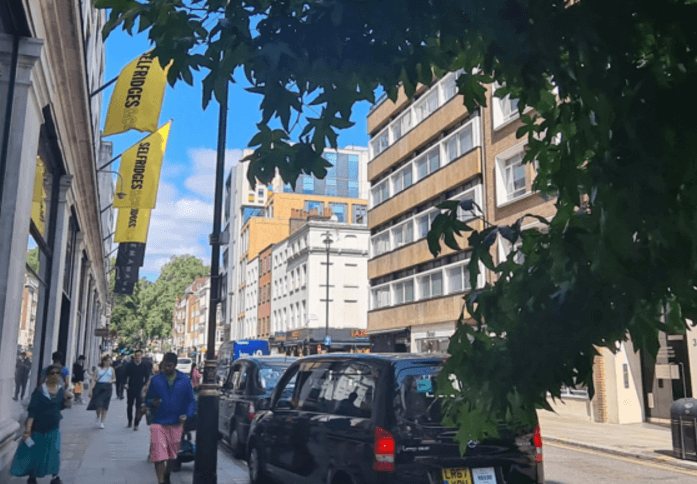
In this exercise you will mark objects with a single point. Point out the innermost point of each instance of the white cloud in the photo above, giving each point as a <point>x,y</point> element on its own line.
<point>202,178</point>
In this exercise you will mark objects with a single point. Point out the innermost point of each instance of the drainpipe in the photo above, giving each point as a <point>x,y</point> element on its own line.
<point>8,113</point>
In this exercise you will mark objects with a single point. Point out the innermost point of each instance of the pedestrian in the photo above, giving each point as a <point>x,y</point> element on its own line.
<point>100,391</point>
<point>39,453</point>
<point>78,378</point>
<point>137,374</point>
<point>22,370</point>
<point>120,369</point>
<point>57,359</point>
<point>170,398</point>
<point>195,376</point>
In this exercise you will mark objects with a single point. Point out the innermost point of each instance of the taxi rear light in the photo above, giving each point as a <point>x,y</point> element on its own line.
<point>384,450</point>
<point>537,439</point>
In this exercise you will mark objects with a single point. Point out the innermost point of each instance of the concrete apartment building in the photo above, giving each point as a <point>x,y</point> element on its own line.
<point>51,195</point>
<point>430,149</point>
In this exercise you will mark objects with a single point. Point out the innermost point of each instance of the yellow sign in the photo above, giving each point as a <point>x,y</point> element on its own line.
<point>132,225</point>
<point>140,171</point>
<point>457,476</point>
<point>38,201</point>
<point>137,98</point>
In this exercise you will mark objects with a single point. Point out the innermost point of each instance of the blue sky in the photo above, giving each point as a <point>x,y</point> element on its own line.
<point>183,218</point>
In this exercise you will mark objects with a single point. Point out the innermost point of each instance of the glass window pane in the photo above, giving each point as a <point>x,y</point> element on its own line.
<point>433,161</point>
<point>455,280</point>
<point>398,183</point>
<point>466,142</point>
<point>352,189</point>
<point>452,148</point>
<point>422,168</point>
<point>399,293</point>
<point>407,177</point>
<point>409,236</point>
<point>409,290</point>
<point>424,287</point>
<point>423,226</point>
<point>437,284</point>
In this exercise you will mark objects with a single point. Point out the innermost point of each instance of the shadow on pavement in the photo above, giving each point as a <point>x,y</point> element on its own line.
<point>668,453</point>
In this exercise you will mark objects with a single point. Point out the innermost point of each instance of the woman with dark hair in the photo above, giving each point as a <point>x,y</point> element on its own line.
<point>195,375</point>
<point>39,453</point>
<point>100,389</point>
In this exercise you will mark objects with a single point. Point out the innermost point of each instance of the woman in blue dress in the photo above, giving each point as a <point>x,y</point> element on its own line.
<point>39,453</point>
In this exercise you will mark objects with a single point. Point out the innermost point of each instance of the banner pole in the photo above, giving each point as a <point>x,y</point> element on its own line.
<point>104,86</point>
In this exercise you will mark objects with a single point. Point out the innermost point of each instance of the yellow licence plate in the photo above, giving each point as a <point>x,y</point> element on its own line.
<point>457,476</point>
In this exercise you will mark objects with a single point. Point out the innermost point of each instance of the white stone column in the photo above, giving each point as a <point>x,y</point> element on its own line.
<point>55,292</point>
<point>74,301</point>
<point>15,212</point>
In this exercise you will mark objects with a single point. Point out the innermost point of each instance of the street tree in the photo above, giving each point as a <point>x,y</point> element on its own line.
<point>611,129</point>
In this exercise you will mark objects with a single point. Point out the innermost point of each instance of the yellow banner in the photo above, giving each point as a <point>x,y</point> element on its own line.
<point>140,171</point>
<point>38,201</point>
<point>137,98</point>
<point>132,225</point>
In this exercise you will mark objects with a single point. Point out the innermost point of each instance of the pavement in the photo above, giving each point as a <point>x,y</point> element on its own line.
<point>643,441</point>
<point>117,454</point>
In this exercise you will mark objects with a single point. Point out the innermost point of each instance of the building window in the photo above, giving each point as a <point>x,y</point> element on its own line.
<point>317,207</point>
<point>360,214</point>
<point>458,280</point>
<point>339,209</point>
<point>460,143</point>
<point>427,106</point>
<point>381,243</point>
<point>380,143</point>
<point>381,193</point>
<point>308,184</point>
<point>424,223</point>
<point>505,109</point>
<point>404,291</point>
<point>402,180</point>
<point>404,234</point>
<point>427,164</point>
<point>381,297</point>
<point>431,285</point>
<point>511,176</point>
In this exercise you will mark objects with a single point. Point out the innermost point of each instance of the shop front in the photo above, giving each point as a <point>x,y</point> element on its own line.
<point>396,340</point>
<point>311,341</point>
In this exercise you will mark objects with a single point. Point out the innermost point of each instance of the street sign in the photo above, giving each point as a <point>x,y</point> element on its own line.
<point>327,340</point>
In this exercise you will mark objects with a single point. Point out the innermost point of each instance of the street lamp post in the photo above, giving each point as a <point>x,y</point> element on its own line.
<point>206,463</point>
<point>328,242</point>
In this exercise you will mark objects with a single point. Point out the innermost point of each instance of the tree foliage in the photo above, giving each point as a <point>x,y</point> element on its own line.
<point>611,129</point>
<point>147,313</point>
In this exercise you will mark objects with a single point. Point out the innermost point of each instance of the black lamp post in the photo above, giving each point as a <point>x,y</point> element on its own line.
<point>328,241</point>
<point>206,463</point>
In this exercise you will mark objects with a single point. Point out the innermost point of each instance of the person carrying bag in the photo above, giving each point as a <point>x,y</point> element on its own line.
<point>39,453</point>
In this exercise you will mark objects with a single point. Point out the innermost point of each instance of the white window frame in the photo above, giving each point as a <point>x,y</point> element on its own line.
<point>375,239</point>
<point>400,231</point>
<point>427,105</point>
<point>458,146</point>
<point>380,143</point>
<point>377,190</point>
<point>374,296</point>
<point>399,291</point>
<point>474,193</point>
<point>502,194</point>
<point>503,109</point>
<point>397,179</point>
<point>429,275</point>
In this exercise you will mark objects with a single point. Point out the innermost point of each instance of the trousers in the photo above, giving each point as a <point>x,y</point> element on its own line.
<point>134,396</point>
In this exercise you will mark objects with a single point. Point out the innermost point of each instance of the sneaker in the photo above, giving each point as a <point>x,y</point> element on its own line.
<point>135,427</point>
<point>56,480</point>
<point>101,425</point>
<point>129,425</point>
<point>31,480</point>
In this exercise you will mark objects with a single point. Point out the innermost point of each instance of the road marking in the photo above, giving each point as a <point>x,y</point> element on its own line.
<point>625,459</point>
